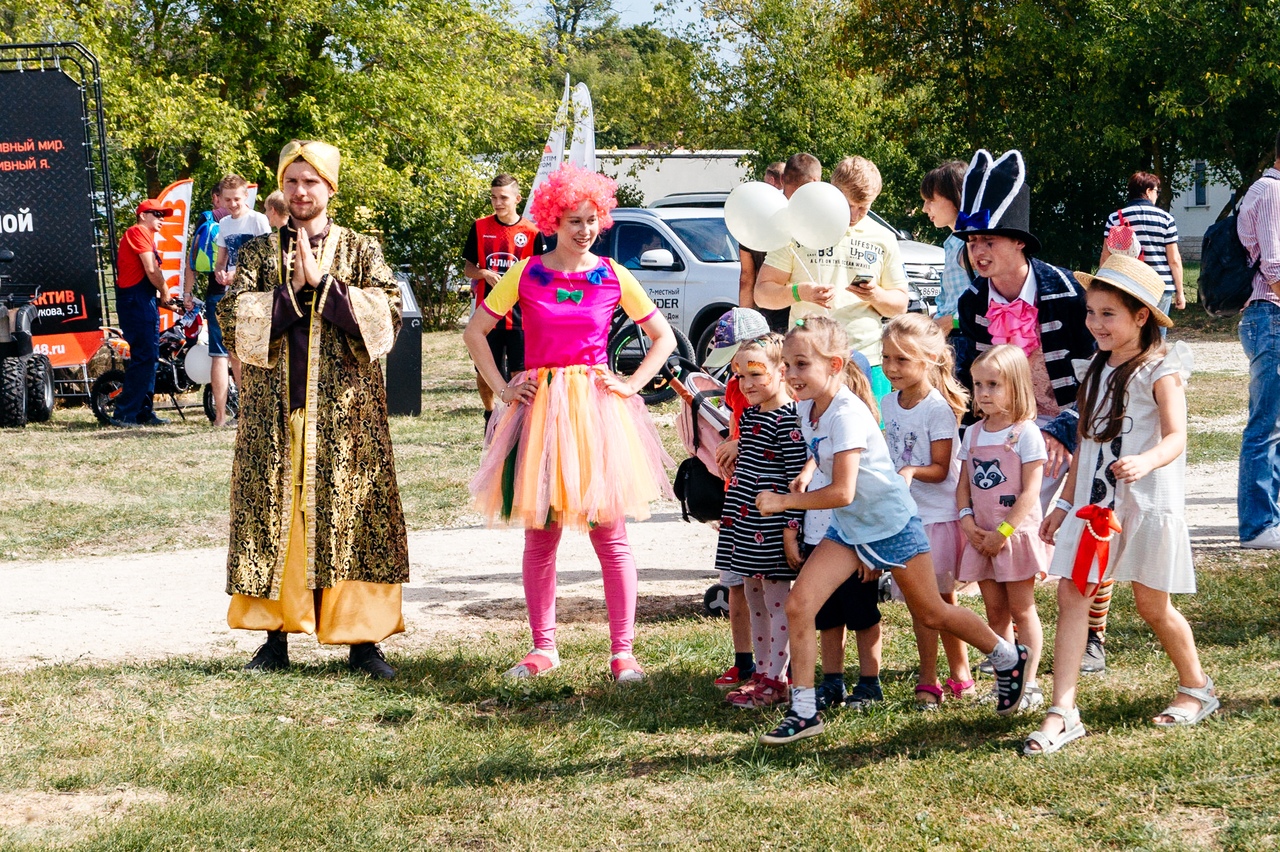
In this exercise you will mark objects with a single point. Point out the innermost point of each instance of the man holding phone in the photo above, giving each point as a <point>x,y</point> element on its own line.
<point>856,282</point>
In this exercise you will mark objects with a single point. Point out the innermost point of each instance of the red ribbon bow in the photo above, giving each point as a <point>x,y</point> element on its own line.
<point>1100,526</point>
<point>1015,322</point>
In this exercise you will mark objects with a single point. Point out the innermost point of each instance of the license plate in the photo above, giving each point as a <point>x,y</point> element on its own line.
<point>928,291</point>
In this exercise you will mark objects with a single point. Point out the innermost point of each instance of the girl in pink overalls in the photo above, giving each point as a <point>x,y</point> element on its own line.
<point>999,501</point>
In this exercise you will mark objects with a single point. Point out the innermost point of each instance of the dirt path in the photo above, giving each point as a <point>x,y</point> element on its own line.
<point>464,583</point>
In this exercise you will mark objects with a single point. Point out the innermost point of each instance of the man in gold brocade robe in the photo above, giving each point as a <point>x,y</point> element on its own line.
<point>317,531</point>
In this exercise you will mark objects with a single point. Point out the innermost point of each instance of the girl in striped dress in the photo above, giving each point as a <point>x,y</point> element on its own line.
<point>764,550</point>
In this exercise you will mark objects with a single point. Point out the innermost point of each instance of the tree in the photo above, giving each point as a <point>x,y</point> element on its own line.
<point>1089,90</point>
<point>425,98</point>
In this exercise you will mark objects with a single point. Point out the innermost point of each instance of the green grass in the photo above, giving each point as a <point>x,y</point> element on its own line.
<point>451,756</point>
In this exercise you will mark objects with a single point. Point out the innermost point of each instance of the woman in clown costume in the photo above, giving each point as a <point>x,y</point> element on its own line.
<point>572,444</point>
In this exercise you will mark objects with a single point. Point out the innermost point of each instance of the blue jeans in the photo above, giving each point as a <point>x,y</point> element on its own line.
<point>1166,306</point>
<point>1260,447</point>
<point>140,323</point>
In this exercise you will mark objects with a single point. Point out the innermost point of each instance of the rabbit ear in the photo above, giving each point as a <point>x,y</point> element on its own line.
<point>974,177</point>
<point>1004,179</point>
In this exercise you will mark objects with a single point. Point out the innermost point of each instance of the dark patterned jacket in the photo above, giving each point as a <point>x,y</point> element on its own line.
<point>1063,336</point>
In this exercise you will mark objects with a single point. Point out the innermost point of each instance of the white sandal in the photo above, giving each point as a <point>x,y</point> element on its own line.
<point>1072,729</point>
<point>1182,717</point>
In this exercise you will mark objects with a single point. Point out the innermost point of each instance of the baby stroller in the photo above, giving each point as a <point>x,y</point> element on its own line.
<point>703,422</point>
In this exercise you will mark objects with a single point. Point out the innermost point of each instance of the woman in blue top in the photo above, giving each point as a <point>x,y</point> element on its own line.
<point>874,526</point>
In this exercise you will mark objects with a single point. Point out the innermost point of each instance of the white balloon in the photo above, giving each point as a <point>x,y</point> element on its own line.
<point>199,365</point>
<point>819,215</point>
<point>756,214</point>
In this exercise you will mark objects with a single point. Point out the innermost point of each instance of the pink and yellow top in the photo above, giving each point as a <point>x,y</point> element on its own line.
<point>567,314</point>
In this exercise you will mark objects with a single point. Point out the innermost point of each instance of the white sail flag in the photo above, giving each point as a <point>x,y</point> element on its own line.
<point>582,150</point>
<point>553,152</point>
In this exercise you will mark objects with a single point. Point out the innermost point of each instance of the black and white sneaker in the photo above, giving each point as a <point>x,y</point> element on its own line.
<point>793,728</point>
<point>1011,683</point>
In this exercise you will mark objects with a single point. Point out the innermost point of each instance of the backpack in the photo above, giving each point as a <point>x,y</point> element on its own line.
<point>1226,274</point>
<point>203,250</point>
<point>700,492</point>
<point>1122,239</point>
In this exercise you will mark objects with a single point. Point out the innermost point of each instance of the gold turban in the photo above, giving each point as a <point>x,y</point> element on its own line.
<point>324,158</point>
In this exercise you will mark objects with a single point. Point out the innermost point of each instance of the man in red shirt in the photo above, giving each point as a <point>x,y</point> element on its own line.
<point>139,282</point>
<point>495,244</point>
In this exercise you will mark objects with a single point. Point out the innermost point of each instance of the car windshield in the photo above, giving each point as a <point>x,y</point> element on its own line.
<point>708,239</point>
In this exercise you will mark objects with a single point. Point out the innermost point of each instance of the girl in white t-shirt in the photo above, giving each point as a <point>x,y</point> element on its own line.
<point>922,427</point>
<point>874,526</point>
<point>999,500</point>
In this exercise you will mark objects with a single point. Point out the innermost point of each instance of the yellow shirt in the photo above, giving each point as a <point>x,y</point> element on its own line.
<point>867,250</point>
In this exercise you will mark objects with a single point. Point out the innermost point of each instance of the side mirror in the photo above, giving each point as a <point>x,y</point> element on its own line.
<point>6,256</point>
<point>657,259</point>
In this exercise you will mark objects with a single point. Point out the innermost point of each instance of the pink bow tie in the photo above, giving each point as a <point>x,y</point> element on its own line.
<point>1016,323</point>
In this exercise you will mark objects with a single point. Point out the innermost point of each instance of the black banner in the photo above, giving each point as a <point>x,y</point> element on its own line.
<point>46,200</point>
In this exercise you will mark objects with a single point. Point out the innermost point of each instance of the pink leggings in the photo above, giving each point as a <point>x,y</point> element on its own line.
<point>616,565</point>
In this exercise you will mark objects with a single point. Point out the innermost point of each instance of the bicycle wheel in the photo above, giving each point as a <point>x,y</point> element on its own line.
<point>627,348</point>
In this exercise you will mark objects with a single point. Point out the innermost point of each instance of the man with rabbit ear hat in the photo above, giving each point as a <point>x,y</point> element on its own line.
<point>318,540</point>
<point>1017,298</point>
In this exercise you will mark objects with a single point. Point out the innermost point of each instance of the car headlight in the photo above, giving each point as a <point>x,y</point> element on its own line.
<point>923,272</point>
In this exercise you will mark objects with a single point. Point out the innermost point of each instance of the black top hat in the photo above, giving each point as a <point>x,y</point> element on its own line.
<point>996,199</point>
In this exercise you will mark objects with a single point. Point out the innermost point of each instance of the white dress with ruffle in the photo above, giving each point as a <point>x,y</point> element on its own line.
<point>1154,548</point>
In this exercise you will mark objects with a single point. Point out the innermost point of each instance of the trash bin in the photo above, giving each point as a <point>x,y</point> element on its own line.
<point>404,361</point>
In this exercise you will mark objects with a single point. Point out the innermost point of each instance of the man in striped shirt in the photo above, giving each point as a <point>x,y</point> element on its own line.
<point>1258,226</point>
<point>1157,234</point>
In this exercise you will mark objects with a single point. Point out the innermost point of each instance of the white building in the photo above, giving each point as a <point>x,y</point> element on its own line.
<point>1196,208</point>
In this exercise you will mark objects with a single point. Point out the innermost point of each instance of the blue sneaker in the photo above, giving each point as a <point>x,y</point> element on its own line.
<point>864,695</point>
<point>829,693</point>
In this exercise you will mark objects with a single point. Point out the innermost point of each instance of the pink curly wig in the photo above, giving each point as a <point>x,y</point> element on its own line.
<point>565,189</point>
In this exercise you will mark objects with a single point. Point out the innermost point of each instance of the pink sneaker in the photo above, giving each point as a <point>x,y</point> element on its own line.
<point>536,662</point>
<point>625,668</point>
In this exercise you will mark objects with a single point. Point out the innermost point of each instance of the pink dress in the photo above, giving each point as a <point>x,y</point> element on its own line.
<point>579,455</point>
<point>995,482</point>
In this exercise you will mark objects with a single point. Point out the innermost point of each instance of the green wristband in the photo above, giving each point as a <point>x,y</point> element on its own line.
<point>795,292</point>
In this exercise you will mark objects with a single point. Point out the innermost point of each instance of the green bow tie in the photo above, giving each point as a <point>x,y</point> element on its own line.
<point>563,295</point>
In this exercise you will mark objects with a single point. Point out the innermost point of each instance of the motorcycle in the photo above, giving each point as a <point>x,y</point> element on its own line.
<point>172,380</point>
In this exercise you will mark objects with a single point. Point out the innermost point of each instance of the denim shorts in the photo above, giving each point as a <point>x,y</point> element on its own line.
<point>888,553</point>
<point>728,579</point>
<point>216,349</point>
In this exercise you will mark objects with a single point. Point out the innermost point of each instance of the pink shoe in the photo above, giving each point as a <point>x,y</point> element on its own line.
<point>625,668</point>
<point>767,693</point>
<point>751,685</point>
<point>536,662</point>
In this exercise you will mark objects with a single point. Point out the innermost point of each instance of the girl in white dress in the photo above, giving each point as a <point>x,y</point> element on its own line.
<point>1127,478</point>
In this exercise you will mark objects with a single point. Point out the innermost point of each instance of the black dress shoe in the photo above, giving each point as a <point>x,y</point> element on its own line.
<point>273,656</point>
<point>367,657</point>
<point>155,421</point>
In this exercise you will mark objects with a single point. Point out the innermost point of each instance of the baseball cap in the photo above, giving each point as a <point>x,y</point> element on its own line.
<point>152,205</point>
<point>734,328</point>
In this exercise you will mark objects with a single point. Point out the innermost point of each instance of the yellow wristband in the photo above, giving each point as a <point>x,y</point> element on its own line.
<point>1004,529</point>
<point>795,292</point>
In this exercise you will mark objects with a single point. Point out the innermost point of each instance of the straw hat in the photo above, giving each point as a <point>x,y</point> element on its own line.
<point>1133,277</point>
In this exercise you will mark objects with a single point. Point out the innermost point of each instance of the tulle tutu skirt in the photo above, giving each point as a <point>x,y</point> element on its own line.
<point>577,455</point>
